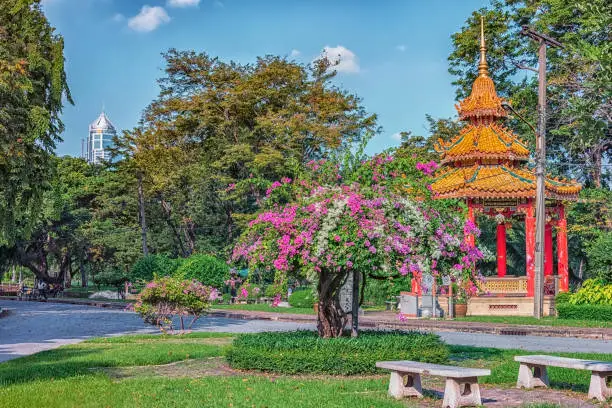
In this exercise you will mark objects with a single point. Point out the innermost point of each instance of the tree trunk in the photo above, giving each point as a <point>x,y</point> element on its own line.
<point>143,221</point>
<point>355,307</point>
<point>331,319</point>
<point>83,275</point>
<point>177,236</point>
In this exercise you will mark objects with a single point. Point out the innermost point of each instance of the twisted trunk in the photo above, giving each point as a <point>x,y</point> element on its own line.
<point>331,319</point>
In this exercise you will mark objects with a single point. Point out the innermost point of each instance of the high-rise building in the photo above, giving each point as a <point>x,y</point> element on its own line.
<point>100,139</point>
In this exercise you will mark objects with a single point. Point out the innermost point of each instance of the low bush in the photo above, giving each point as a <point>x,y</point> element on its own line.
<point>305,352</point>
<point>593,292</point>
<point>562,297</point>
<point>163,299</point>
<point>111,277</point>
<point>302,298</point>
<point>585,312</point>
<point>146,267</point>
<point>599,256</point>
<point>205,269</point>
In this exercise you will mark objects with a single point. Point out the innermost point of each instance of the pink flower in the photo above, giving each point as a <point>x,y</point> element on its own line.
<point>337,238</point>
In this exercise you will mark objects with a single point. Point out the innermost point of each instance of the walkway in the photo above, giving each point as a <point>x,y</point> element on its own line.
<point>33,326</point>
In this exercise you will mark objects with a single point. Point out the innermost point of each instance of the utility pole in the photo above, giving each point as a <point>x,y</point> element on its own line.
<point>540,214</point>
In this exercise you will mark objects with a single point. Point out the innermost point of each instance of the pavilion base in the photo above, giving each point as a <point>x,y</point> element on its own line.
<point>507,306</point>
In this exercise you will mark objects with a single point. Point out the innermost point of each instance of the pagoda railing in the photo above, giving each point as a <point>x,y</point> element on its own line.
<point>516,285</point>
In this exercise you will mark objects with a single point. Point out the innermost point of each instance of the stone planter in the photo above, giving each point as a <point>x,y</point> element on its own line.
<point>460,310</point>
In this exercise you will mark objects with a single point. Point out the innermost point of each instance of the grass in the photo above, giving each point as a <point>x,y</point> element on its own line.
<point>545,321</point>
<point>262,307</point>
<point>81,375</point>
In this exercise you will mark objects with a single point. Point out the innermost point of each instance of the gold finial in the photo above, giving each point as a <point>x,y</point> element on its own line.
<point>483,67</point>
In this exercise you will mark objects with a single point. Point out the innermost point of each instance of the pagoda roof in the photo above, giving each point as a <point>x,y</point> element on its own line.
<point>498,181</point>
<point>483,141</point>
<point>482,101</point>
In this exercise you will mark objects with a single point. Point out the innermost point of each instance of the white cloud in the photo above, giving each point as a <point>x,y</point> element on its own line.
<point>343,59</point>
<point>295,53</point>
<point>400,47</point>
<point>183,3</point>
<point>148,19</point>
<point>118,17</point>
<point>397,136</point>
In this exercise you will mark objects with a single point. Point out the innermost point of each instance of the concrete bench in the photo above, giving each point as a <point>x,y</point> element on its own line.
<point>533,373</point>
<point>461,383</point>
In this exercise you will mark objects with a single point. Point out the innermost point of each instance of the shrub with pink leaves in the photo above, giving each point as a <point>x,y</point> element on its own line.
<point>164,299</point>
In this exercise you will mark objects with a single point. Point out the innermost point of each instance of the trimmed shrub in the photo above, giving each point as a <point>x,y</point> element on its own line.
<point>302,298</point>
<point>305,352</point>
<point>585,312</point>
<point>111,277</point>
<point>205,269</point>
<point>562,297</point>
<point>146,267</point>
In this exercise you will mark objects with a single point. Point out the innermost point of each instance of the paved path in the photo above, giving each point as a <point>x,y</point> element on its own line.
<point>34,326</point>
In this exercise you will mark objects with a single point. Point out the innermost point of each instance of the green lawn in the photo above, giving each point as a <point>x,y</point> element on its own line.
<point>125,372</point>
<point>546,321</point>
<point>262,307</point>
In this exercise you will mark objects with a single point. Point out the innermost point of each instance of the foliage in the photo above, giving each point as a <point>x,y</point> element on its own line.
<point>563,297</point>
<point>146,267</point>
<point>599,256</point>
<point>593,292</point>
<point>164,298</point>
<point>304,352</point>
<point>234,128</point>
<point>207,269</point>
<point>598,312</point>
<point>303,298</point>
<point>321,227</point>
<point>32,90</point>
<point>111,277</point>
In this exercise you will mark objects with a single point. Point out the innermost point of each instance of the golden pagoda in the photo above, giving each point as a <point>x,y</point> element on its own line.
<point>486,165</point>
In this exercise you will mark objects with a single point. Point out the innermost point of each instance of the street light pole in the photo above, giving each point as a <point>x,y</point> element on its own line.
<point>540,214</point>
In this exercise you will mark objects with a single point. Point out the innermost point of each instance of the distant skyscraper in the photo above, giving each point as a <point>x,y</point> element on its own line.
<point>100,139</point>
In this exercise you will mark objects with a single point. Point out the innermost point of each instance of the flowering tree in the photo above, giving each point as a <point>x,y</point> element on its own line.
<point>164,298</point>
<point>374,222</point>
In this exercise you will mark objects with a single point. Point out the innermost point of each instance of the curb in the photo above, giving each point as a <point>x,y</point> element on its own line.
<point>433,325</point>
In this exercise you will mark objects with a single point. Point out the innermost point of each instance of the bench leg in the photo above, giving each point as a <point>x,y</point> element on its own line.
<point>531,379</point>
<point>599,386</point>
<point>461,392</point>
<point>405,385</point>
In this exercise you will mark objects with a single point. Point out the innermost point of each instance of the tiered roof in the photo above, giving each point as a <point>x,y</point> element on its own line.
<point>487,160</point>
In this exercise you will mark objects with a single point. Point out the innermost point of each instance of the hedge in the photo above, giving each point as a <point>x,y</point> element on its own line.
<point>157,264</point>
<point>585,312</point>
<point>302,298</point>
<point>305,352</point>
<point>206,269</point>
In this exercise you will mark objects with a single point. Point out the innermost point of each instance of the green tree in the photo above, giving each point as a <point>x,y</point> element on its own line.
<point>32,88</point>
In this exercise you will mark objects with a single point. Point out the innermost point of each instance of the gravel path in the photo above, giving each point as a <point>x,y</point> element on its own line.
<point>33,326</point>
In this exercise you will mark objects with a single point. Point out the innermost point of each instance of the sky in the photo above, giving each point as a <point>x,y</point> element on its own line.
<point>393,53</point>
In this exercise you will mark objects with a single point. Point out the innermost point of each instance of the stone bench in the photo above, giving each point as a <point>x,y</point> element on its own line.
<point>533,373</point>
<point>461,383</point>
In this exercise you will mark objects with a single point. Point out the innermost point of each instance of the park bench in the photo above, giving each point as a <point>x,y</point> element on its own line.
<point>533,372</point>
<point>461,383</point>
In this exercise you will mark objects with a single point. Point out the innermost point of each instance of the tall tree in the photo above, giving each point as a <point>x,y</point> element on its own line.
<point>32,88</point>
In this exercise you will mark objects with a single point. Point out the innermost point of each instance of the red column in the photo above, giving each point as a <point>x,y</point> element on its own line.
<point>548,250</point>
<point>562,262</point>
<point>470,238</point>
<point>530,249</point>
<point>501,249</point>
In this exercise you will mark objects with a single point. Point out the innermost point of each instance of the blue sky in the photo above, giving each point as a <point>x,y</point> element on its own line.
<point>394,51</point>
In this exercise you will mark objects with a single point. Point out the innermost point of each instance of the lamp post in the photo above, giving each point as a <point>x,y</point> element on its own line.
<point>540,213</point>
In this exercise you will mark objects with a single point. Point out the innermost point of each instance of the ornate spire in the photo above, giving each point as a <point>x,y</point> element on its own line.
<point>483,67</point>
